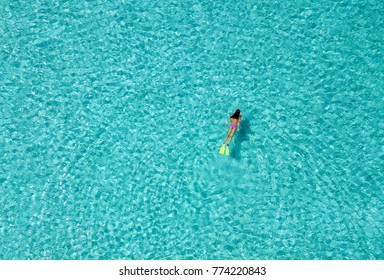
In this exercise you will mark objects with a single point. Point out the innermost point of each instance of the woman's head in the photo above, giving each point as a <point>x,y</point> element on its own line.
<point>236,114</point>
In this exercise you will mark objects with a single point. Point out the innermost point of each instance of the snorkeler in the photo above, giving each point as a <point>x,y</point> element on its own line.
<point>235,119</point>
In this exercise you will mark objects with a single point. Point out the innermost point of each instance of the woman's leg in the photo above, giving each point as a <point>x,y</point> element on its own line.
<point>231,136</point>
<point>228,133</point>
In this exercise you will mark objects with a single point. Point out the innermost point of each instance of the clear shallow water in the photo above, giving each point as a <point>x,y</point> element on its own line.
<point>112,115</point>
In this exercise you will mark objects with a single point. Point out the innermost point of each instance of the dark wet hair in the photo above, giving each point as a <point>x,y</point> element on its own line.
<point>236,115</point>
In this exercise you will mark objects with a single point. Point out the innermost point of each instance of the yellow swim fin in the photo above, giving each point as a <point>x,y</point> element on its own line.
<point>222,149</point>
<point>227,151</point>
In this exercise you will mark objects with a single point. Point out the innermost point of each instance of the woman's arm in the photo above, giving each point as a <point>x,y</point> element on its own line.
<point>238,122</point>
<point>229,120</point>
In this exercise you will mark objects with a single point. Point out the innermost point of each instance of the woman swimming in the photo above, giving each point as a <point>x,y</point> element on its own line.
<point>235,119</point>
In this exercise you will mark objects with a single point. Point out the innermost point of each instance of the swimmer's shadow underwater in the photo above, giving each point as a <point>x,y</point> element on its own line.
<point>242,136</point>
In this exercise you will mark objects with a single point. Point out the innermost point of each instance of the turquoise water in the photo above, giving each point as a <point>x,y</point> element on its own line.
<point>113,113</point>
